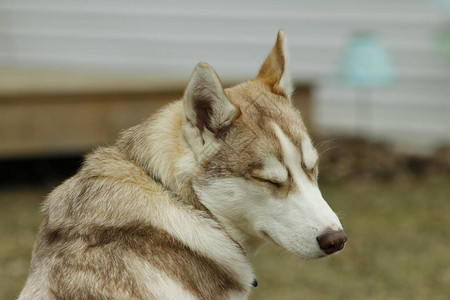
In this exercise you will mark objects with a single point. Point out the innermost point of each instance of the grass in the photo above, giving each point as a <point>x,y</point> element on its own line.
<point>398,247</point>
<point>19,220</point>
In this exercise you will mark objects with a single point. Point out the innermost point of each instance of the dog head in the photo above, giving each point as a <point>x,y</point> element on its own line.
<point>255,166</point>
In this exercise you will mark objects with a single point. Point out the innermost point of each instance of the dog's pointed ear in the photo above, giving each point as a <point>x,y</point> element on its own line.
<point>205,104</point>
<point>275,70</point>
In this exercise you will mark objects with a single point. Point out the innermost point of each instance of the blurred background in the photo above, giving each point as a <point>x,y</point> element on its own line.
<point>373,84</point>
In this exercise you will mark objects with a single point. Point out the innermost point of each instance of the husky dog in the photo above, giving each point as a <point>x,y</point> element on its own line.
<point>174,208</point>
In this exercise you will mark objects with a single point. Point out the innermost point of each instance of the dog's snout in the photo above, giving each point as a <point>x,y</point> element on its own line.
<point>332,241</point>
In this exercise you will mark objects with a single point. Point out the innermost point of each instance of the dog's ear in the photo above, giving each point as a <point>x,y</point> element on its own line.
<point>207,110</point>
<point>205,104</point>
<point>275,70</point>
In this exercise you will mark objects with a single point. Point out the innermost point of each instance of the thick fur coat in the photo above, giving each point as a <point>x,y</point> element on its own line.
<point>172,210</point>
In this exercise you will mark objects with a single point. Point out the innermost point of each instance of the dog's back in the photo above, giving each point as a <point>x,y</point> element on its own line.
<point>97,240</point>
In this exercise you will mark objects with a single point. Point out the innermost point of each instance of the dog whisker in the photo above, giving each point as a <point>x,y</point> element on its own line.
<point>328,149</point>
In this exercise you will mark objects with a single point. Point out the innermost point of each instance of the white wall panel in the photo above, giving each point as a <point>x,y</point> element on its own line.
<point>170,37</point>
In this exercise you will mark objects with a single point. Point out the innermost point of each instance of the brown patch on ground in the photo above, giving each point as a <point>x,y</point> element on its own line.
<point>351,158</point>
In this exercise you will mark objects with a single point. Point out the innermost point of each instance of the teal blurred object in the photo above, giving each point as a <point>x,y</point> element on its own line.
<point>442,40</point>
<point>365,63</point>
<point>365,66</point>
<point>446,5</point>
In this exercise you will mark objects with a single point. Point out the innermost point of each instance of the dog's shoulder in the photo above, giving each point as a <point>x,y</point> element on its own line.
<point>108,189</point>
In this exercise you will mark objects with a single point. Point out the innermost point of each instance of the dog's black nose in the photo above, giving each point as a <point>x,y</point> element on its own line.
<point>332,241</point>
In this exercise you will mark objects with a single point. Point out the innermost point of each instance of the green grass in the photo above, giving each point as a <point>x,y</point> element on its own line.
<point>398,247</point>
<point>19,220</point>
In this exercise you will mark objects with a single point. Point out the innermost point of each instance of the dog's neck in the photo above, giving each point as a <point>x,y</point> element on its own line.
<point>155,145</point>
<point>158,146</point>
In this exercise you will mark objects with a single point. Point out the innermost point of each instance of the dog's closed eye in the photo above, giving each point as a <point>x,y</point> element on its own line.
<point>271,171</point>
<point>272,181</point>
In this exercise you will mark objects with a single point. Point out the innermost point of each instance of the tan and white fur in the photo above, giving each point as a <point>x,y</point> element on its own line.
<point>174,208</point>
